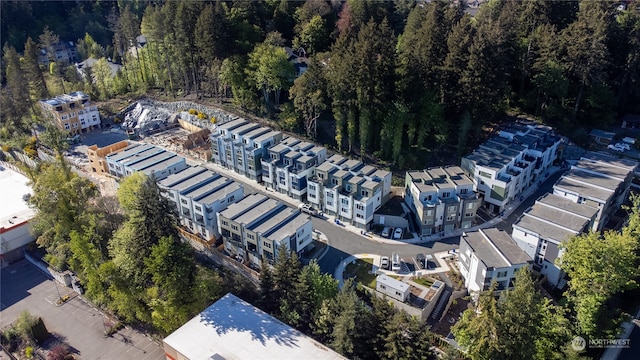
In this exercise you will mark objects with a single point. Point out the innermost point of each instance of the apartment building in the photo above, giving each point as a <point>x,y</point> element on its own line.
<point>551,221</point>
<point>600,181</point>
<point>257,226</point>
<point>241,145</point>
<point>98,156</point>
<point>489,255</point>
<point>441,199</point>
<point>148,159</point>
<point>74,113</point>
<point>290,163</point>
<point>198,195</point>
<point>509,163</point>
<point>348,189</point>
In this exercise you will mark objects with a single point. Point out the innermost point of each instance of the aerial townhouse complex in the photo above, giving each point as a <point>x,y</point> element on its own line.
<point>198,195</point>
<point>441,198</point>
<point>600,181</point>
<point>507,164</point>
<point>348,189</point>
<point>74,113</point>
<point>490,255</point>
<point>148,159</point>
<point>290,163</point>
<point>257,226</point>
<point>241,145</point>
<point>544,226</point>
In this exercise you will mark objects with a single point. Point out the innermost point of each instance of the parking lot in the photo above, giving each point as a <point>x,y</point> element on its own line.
<point>78,324</point>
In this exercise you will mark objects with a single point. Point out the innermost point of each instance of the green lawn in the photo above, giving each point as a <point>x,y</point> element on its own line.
<point>361,270</point>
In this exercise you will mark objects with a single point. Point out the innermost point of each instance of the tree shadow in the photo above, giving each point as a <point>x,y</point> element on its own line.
<point>55,340</point>
<point>230,314</point>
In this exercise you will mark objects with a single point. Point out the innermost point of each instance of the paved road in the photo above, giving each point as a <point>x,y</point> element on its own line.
<point>547,186</point>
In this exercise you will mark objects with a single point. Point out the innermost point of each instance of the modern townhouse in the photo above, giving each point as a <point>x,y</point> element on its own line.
<point>257,226</point>
<point>62,52</point>
<point>543,227</point>
<point>290,163</point>
<point>599,181</point>
<point>506,165</point>
<point>74,113</point>
<point>349,190</point>
<point>240,145</point>
<point>489,255</point>
<point>148,159</point>
<point>441,199</point>
<point>198,195</point>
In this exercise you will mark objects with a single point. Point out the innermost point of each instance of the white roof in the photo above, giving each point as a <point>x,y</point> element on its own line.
<point>14,209</point>
<point>234,329</point>
<point>394,283</point>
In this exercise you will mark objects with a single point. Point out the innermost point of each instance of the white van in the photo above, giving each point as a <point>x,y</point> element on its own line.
<point>395,262</point>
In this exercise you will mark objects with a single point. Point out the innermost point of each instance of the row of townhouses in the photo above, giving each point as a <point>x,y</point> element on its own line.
<point>442,199</point>
<point>348,189</point>
<point>257,226</point>
<point>584,199</point>
<point>507,164</point>
<point>73,113</point>
<point>148,159</point>
<point>342,187</point>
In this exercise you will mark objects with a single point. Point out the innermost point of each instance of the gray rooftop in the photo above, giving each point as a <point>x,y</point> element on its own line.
<point>128,151</point>
<point>181,176</point>
<point>205,188</point>
<point>181,183</point>
<point>285,230</point>
<point>242,206</point>
<point>218,193</point>
<point>546,230</point>
<point>232,124</point>
<point>557,217</point>
<point>592,179</point>
<point>147,162</point>
<point>604,168</point>
<point>567,205</point>
<point>275,218</point>
<point>585,191</point>
<point>149,169</point>
<point>495,248</point>
<point>256,211</point>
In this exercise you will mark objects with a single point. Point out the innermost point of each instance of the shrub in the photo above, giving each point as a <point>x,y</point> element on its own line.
<point>202,116</point>
<point>213,120</point>
<point>193,111</point>
<point>59,352</point>
<point>28,352</point>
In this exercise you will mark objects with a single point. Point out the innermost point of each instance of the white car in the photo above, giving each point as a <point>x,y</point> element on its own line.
<point>386,232</point>
<point>624,146</point>
<point>615,148</point>
<point>397,234</point>
<point>306,208</point>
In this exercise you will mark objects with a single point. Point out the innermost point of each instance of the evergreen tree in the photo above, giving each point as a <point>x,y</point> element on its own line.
<point>268,302</point>
<point>18,91</point>
<point>32,70</point>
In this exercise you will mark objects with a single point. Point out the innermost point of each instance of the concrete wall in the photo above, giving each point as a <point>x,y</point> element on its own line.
<point>390,220</point>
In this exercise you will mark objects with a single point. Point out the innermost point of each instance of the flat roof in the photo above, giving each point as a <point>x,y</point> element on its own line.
<point>218,193</point>
<point>545,230</point>
<point>234,210</point>
<point>195,180</point>
<point>624,163</point>
<point>245,128</point>
<point>233,329</point>
<point>254,211</point>
<point>495,248</point>
<point>14,209</point>
<point>267,135</point>
<point>559,202</point>
<point>286,229</point>
<point>590,178</point>
<point>128,151</point>
<point>140,156</point>
<point>143,163</point>
<point>206,188</point>
<point>181,176</point>
<point>584,190</point>
<point>150,169</point>
<point>394,283</point>
<point>603,168</point>
<point>557,217</point>
<point>274,219</point>
<point>232,124</point>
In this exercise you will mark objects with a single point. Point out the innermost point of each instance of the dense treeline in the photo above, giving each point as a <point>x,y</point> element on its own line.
<point>406,81</point>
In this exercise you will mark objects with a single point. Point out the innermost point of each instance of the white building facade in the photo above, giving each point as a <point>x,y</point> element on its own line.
<point>148,159</point>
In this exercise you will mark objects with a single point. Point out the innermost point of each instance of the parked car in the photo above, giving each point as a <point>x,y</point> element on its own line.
<point>624,146</point>
<point>395,262</point>
<point>421,260</point>
<point>306,208</point>
<point>384,262</point>
<point>397,234</point>
<point>386,232</point>
<point>615,148</point>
